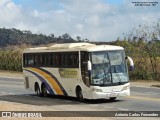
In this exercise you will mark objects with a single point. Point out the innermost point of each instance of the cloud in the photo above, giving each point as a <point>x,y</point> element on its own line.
<point>96,20</point>
<point>9,13</point>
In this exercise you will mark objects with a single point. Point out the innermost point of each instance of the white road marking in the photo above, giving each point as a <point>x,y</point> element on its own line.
<point>94,105</point>
<point>152,93</point>
<point>108,107</point>
<point>144,86</point>
<point>11,93</point>
<point>123,109</point>
<point>67,101</point>
<point>27,95</point>
<point>3,92</point>
<point>11,77</point>
<point>11,82</point>
<point>31,95</point>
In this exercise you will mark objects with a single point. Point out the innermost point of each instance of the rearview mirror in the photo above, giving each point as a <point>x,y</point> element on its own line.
<point>131,68</point>
<point>89,65</point>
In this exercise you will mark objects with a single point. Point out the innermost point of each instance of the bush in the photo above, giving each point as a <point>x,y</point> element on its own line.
<point>10,60</point>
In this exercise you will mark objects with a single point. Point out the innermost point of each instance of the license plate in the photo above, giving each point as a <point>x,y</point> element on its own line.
<point>113,94</point>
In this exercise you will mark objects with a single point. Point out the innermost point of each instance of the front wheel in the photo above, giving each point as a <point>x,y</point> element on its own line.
<point>80,95</point>
<point>112,98</point>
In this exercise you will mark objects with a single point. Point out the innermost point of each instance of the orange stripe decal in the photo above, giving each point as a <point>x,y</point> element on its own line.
<point>54,84</point>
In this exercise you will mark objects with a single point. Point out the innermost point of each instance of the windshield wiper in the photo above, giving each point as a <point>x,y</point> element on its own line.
<point>104,63</point>
<point>118,76</point>
<point>104,71</point>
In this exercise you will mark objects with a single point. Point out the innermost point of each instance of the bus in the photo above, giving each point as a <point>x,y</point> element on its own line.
<point>81,70</point>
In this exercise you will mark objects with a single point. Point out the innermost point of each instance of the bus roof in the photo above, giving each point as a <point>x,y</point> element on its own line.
<point>73,47</point>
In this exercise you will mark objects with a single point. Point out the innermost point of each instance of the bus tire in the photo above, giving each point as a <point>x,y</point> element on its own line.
<point>79,94</point>
<point>112,98</point>
<point>44,90</point>
<point>37,90</point>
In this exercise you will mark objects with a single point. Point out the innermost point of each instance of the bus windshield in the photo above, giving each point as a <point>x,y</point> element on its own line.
<point>108,68</point>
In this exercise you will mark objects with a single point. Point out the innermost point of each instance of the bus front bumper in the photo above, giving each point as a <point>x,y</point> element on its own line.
<point>105,95</point>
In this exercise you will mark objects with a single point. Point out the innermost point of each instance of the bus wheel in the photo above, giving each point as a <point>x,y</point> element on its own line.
<point>37,90</point>
<point>112,98</point>
<point>44,90</point>
<point>80,95</point>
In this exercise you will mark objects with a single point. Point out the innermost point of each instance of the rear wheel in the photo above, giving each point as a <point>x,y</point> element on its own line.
<point>44,90</point>
<point>37,90</point>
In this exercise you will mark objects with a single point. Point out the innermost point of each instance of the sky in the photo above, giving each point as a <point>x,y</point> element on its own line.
<point>96,20</point>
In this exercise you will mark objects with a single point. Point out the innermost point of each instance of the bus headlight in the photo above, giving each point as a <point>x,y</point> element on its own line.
<point>96,90</point>
<point>125,87</point>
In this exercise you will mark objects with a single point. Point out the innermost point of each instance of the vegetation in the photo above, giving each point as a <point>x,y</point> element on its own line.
<point>17,37</point>
<point>10,60</point>
<point>143,45</point>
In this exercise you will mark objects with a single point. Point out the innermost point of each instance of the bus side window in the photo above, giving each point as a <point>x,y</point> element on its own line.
<point>30,60</point>
<point>47,59</point>
<point>67,62</point>
<point>25,60</point>
<point>71,59</point>
<point>62,60</point>
<point>36,60</point>
<point>76,60</point>
<point>43,60</point>
<point>58,60</point>
<point>51,59</point>
<point>40,60</point>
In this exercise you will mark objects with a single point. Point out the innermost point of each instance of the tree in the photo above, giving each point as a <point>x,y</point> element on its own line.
<point>118,39</point>
<point>146,38</point>
<point>52,35</point>
<point>79,39</point>
<point>66,36</point>
<point>16,37</point>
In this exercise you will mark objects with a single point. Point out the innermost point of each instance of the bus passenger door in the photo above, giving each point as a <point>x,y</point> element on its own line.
<point>84,69</point>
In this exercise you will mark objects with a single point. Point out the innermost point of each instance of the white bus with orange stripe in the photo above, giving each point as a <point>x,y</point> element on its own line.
<point>81,70</point>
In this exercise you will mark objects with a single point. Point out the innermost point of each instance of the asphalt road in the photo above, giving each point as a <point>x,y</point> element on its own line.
<point>141,99</point>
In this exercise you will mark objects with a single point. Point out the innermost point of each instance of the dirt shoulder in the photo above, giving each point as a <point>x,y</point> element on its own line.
<point>11,74</point>
<point>145,83</point>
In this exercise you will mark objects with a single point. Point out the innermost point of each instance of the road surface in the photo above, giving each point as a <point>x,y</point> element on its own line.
<point>141,99</point>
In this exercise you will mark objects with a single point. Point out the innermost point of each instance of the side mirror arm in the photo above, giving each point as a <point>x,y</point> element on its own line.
<point>89,66</point>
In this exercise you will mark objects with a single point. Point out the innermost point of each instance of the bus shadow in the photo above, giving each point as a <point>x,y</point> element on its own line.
<point>101,101</point>
<point>50,100</point>
<point>85,101</point>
